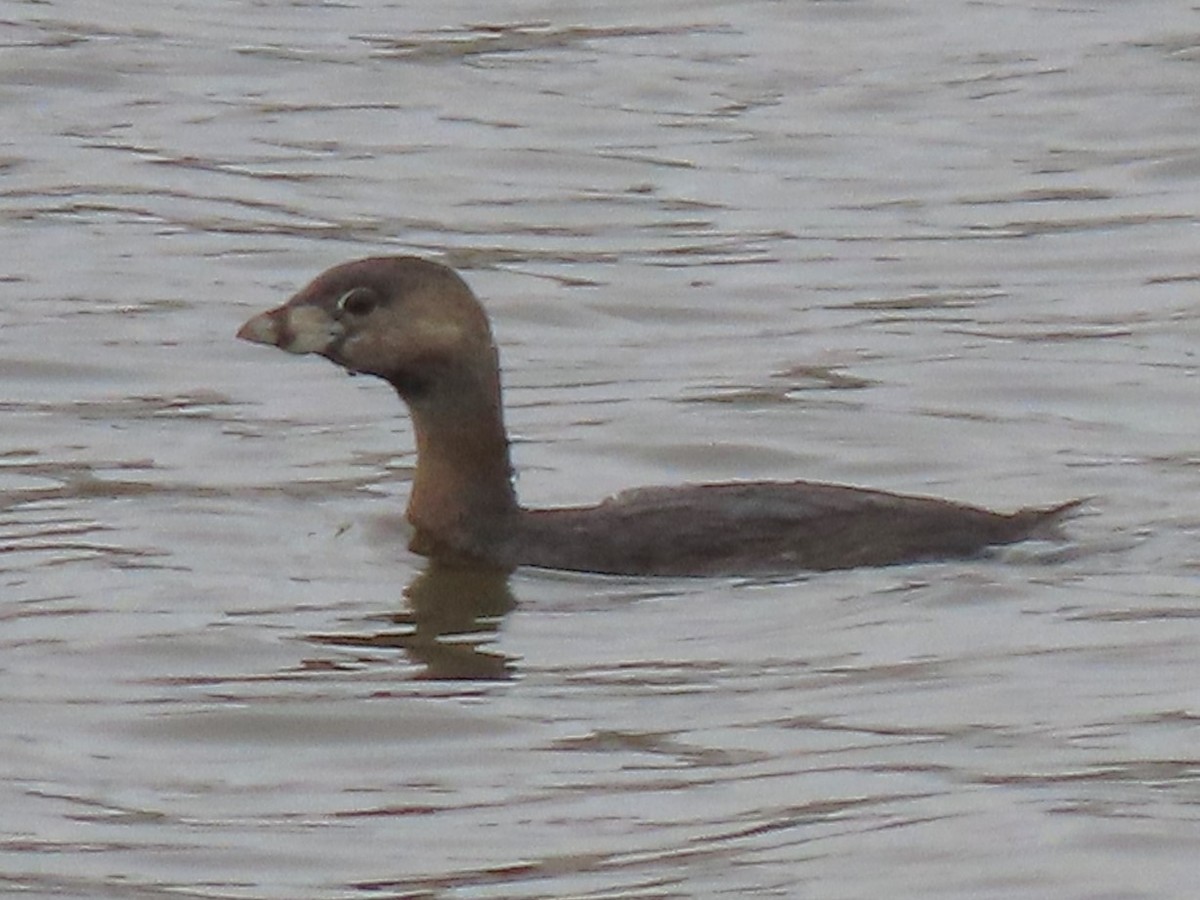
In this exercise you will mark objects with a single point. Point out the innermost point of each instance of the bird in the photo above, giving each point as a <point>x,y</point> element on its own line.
<point>416,324</point>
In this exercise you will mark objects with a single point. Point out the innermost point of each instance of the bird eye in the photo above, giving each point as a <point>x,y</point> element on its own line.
<point>357,301</point>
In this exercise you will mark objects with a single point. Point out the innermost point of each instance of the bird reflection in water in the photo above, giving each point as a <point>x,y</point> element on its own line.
<point>452,616</point>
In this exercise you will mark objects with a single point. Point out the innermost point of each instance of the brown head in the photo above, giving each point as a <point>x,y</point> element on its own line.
<point>412,322</point>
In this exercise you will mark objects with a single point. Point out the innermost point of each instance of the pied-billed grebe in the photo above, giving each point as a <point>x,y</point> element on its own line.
<point>416,324</point>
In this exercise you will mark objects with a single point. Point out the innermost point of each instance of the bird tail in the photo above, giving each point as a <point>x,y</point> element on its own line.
<point>1046,521</point>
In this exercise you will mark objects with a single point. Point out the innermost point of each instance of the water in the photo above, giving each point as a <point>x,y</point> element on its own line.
<point>946,248</point>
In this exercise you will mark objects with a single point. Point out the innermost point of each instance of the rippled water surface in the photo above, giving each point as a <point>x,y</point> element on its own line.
<point>943,248</point>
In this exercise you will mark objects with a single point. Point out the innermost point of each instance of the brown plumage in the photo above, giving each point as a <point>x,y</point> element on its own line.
<point>417,325</point>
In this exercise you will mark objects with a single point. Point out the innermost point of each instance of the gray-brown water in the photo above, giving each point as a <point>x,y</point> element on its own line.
<point>944,248</point>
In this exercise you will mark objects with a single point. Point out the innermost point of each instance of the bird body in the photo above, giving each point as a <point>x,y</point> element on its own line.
<point>416,324</point>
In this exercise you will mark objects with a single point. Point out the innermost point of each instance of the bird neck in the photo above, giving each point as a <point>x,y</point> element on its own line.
<point>462,499</point>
